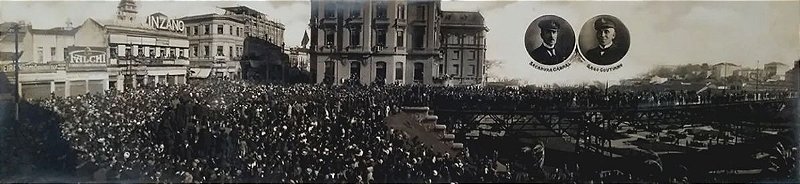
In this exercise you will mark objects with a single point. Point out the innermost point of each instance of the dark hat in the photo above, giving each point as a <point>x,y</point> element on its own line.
<point>603,23</point>
<point>548,24</point>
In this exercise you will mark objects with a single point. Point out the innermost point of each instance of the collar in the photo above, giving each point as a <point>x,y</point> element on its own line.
<point>548,46</point>
<point>602,47</point>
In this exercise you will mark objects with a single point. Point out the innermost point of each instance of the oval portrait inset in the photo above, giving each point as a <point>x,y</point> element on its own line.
<point>604,40</point>
<point>549,40</point>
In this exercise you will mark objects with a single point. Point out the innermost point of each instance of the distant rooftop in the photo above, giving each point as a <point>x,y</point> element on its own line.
<point>243,10</point>
<point>462,18</point>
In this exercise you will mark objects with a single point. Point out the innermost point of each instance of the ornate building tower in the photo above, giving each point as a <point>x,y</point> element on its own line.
<point>126,10</point>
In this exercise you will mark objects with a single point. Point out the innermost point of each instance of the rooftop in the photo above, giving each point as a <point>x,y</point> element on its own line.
<point>462,18</point>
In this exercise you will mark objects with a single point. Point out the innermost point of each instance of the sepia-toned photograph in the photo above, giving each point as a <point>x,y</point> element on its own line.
<point>399,91</point>
<point>604,40</point>
<point>549,40</point>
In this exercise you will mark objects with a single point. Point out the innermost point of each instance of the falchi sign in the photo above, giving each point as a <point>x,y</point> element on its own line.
<point>86,55</point>
<point>162,22</point>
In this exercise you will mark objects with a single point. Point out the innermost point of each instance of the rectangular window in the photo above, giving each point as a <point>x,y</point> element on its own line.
<point>455,69</point>
<point>355,36</point>
<point>112,51</point>
<point>330,10</point>
<point>419,37</point>
<point>398,71</point>
<point>206,51</point>
<point>471,55</point>
<point>329,37</point>
<point>66,55</point>
<point>401,38</point>
<point>456,55</point>
<point>421,12</point>
<point>52,53</point>
<point>220,29</point>
<point>401,12</point>
<point>381,11</point>
<point>472,69</point>
<point>219,51</point>
<point>381,37</point>
<point>207,29</point>
<point>355,11</point>
<point>194,51</point>
<point>230,29</point>
<point>441,69</point>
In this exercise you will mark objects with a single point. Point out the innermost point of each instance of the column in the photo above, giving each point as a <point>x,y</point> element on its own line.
<point>105,85</point>
<point>135,50</point>
<point>120,83</point>
<point>147,51</point>
<point>158,51</point>
<point>134,82</point>
<point>67,87</point>
<point>146,79</point>
<point>52,87</point>
<point>156,80</point>
<point>121,50</point>
<point>86,86</point>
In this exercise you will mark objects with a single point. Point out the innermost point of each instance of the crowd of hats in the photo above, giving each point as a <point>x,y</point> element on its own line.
<point>471,98</point>
<point>222,131</point>
<point>231,131</point>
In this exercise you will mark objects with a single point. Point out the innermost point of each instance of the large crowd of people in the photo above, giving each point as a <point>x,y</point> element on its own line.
<point>233,131</point>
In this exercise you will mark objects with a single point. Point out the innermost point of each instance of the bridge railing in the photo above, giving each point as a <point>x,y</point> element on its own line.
<point>545,103</point>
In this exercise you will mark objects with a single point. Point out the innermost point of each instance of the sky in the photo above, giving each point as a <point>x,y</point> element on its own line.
<point>662,32</point>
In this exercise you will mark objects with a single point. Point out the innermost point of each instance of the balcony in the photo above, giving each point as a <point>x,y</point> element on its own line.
<point>380,21</point>
<point>150,60</point>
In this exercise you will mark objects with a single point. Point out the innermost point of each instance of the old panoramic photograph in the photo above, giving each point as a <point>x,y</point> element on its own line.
<point>399,91</point>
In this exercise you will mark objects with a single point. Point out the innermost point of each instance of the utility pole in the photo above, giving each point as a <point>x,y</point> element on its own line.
<point>16,71</point>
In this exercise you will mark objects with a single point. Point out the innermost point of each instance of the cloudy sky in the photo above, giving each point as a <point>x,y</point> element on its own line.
<point>662,33</point>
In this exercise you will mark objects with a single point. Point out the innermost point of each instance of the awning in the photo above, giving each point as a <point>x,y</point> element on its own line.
<point>200,73</point>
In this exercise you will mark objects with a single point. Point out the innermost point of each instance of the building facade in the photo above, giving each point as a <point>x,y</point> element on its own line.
<point>298,58</point>
<point>62,61</point>
<point>374,41</point>
<point>215,45</point>
<point>257,24</point>
<point>122,53</point>
<point>722,70</point>
<point>145,50</point>
<point>776,70</point>
<point>464,35</point>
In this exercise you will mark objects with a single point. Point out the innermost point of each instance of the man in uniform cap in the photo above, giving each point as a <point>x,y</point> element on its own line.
<point>547,53</point>
<point>607,52</point>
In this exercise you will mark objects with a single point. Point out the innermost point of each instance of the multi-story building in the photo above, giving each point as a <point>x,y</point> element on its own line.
<point>63,61</point>
<point>257,24</point>
<point>215,45</point>
<point>149,50</point>
<point>776,70</point>
<point>375,41</point>
<point>464,47</point>
<point>298,58</point>
<point>120,53</point>
<point>722,70</point>
<point>217,42</point>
